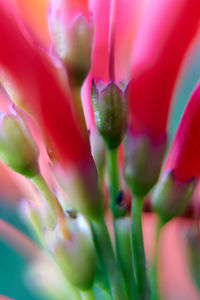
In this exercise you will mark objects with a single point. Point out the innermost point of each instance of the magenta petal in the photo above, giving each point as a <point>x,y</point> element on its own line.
<point>164,35</point>
<point>184,152</point>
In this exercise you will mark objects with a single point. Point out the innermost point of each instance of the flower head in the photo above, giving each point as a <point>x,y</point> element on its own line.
<point>162,41</point>
<point>182,166</point>
<point>183,156</point>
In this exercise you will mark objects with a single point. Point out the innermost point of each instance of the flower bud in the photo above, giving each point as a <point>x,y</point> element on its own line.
<point>110,108</point>
<point>81,185</point>
<point>171,196</point>
<point>142,162</point>
<point>73,44</point>
<point>17,147</point>
<point>75,254</point>
<point>43,275</point>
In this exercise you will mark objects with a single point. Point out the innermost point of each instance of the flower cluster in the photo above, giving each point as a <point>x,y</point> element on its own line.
<point>91,94</point>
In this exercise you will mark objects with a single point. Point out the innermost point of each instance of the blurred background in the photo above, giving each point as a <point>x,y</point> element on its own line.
<point>175,283</point>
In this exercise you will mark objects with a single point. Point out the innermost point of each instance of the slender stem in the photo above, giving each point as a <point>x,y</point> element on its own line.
<point>55,212</point>
<point>106,255</point>
<point>138,250</point>
<point>41,185</point>
<point>113,191</point>
<point>125,255</point>
<point>113,179</point>
<point>88,295</point>
<point>153,275</point>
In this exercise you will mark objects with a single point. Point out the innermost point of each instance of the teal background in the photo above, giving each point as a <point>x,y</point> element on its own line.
<point>183,92</point>
<point>12,265</point>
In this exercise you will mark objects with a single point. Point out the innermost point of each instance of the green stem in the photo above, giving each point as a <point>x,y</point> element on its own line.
<point>113,179</point>
<point>42,186</point>
<point>53,206</point>
<point>153,275</point>
<point>125,255</point>
<point>106,255</point>
<point>87,295</point>
<point>113,191</point>
<point>139,261</point>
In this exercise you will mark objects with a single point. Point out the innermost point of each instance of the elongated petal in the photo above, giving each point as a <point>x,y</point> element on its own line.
<point>39,91</point>
<point>34,15</point>
<point>99,69</point>
<point>126,19</point>
<point>164,35</point>
<point>101,15</point>
<point>128,13</point>
<point>183,157</point>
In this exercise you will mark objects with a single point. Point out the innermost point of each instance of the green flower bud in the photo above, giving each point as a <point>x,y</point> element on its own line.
<point>171,196</point>
<point>142,162</point>
<point>17,147</point>
<point>75,254</point>
<point>45,276</point>
<point>82,188</point>
<point>110,108</point>
<point>73,45</point>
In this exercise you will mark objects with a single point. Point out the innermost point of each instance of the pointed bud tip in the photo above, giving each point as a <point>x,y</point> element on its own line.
<point>171,196</point>
<point>110,108</point>
<point>17,147</point>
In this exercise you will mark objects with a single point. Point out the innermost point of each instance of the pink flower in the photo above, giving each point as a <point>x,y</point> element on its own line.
<point>182,167</point>
<point>164,36</point>
<point>126,16</point>
<point>183,157</point>
<point>165,33</point>
<point>39,91</point>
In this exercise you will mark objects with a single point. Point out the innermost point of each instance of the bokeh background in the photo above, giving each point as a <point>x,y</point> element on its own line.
<point>175,284</point>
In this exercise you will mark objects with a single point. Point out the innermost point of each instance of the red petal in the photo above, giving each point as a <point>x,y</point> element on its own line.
<point>40,91</point>
<point>164,35</point>
<point>184,153</point>
<point>34,15</point>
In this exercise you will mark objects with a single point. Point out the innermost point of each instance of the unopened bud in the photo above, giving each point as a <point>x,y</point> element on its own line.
<point>43,275</point>
<point>171,196</point>
<point>73,43</point>
<point>82,188</point>
<point>17,147</point>
<point>142,163</point>
<point>110,108</point>
<point>75,254</point>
